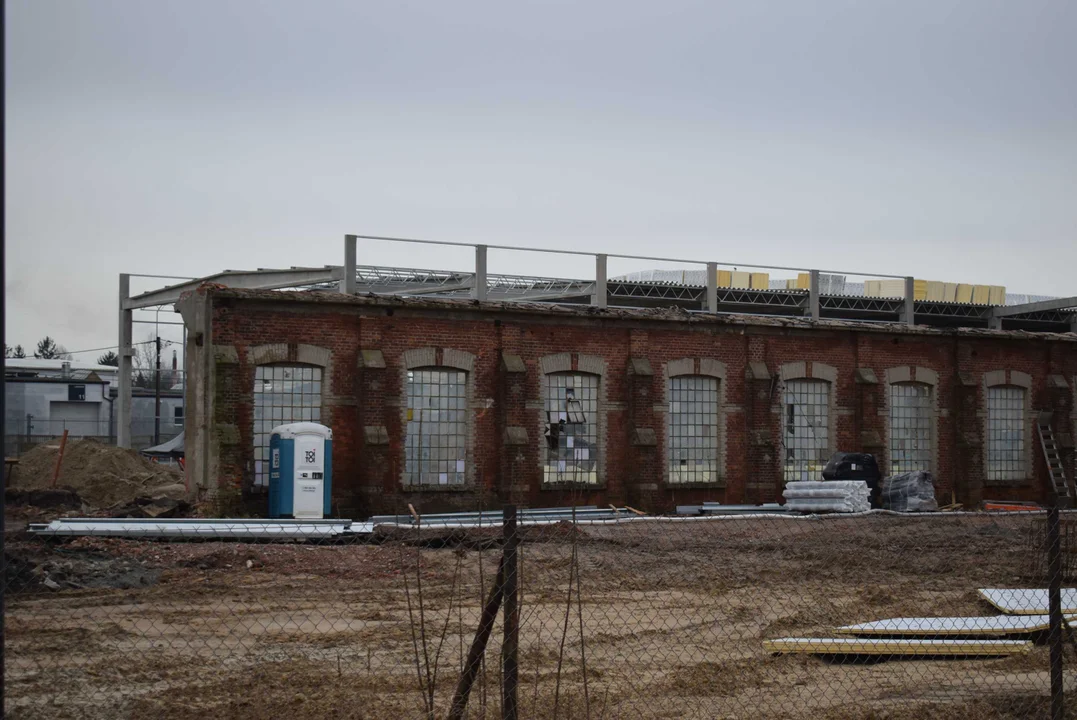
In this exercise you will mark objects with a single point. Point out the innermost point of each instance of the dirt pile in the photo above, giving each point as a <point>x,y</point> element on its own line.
<point>103,476</point>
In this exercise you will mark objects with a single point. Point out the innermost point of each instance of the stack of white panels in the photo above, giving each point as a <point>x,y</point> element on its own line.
<point>848,496</point>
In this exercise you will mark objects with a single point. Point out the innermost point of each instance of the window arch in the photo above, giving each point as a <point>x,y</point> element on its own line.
<point>912,418</point>
<point>1008,430</point>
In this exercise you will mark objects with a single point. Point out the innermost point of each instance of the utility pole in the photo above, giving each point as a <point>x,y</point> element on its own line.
<point>157,396</point>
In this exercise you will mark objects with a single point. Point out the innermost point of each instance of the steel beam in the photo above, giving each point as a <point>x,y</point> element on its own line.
<point>243,279</point>
<point>125,365</point>
<point>1056,304</point>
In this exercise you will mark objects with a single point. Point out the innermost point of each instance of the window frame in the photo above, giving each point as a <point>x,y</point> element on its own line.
<point>266,429</point>
<point>915,375</point>
<point>1025,474</point>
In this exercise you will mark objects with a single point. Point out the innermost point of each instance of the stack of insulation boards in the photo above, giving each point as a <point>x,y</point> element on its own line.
<point>1025,614</point>
<point>848,496</point>
<point>937,291</point>
<point>743,280</point>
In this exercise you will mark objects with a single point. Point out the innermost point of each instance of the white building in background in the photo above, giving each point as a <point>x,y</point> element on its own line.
<point>46,397</point>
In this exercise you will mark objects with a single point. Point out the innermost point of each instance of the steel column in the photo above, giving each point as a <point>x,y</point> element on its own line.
<point>598,295</point>
<point>124,369</point>
<point>712,287</point>
<point>909,311</point>
<point>479,291</point>
<point>347,282</point>
<point>813,294</point>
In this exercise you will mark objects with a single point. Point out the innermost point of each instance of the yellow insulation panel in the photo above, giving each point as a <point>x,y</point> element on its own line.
<point>896,646</point>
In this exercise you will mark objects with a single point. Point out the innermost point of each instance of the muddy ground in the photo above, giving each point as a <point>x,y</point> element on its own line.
<point>672,619</point>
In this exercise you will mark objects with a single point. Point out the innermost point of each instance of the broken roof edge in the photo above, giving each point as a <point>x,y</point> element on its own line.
<point>669,314</point>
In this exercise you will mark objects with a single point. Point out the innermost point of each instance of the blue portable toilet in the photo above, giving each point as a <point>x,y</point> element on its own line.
<point>300,470</point>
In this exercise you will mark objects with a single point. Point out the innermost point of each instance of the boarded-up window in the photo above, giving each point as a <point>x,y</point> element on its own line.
<point>436,443</point>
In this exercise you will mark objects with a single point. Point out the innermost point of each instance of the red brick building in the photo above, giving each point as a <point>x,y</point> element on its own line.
<point>448,404</point>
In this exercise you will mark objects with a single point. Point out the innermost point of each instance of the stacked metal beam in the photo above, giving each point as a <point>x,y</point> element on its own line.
<point>830,496</point>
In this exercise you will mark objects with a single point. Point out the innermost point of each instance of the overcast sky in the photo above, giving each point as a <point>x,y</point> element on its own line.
<point>183,137</point>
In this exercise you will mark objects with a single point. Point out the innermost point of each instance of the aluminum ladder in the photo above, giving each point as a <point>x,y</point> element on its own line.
<point>1053,460</point>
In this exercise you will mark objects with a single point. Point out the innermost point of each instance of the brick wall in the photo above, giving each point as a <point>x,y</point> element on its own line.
<point>364,396</point>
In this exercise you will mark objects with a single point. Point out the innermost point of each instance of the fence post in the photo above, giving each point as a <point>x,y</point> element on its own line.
<point>511,642</point>
<point>1054,599</point>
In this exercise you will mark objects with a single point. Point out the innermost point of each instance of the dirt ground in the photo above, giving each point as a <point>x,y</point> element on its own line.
<point>668,622</point>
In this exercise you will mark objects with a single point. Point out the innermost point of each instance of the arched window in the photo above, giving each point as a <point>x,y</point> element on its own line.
<point>282,394</point>
<point>806,428</point>
<point>911,421</point>
<point>571,449</point>
<point>692,429</point>
<point>1007,457</point>
<point>435,447</point>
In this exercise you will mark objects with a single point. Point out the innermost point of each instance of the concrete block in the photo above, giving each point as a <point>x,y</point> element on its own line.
<point>684,366</point>
<point>312,355</point>
<point>1021,379</point>
<point>969,439</point>
<point>1058,382</point>
<point>420,357</point>
<point>513,363</point>
<point>375,435</point>
<point>822,371</point>
<point>371,359</point>
<point>227,434</point>
<point>899,374</point>
<point>459,359</point>
<point>515,436</point>
<point>871,439</point>
<point>995,377</point>
<point>225,355</point>
<point>757,370</point>
<point>1065,440</point>
<point>644,437</point>
<point>760,438</point>
<point>967,379</point>
<point>265,354</point>
<point>640,366</point>
<point>926,376</point>
<point>593,364</point>
<point>866,376</point>
<point>561,362</point>
<point>712,368</point>
<point>793,370</point>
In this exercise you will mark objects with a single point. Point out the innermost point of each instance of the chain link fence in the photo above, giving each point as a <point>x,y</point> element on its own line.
<point>631,617</point>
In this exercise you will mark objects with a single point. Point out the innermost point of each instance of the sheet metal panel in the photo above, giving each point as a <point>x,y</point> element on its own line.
<point>895,646</point>
<point>1022,601</point>
<point>931,626</point>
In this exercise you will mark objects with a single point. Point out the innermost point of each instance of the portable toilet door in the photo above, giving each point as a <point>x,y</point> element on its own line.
<point>300,471</point>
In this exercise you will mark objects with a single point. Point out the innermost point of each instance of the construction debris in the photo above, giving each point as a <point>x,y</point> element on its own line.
<point>909,492</point>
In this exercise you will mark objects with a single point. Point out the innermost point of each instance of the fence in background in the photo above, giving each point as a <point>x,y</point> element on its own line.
<point>640,617</point>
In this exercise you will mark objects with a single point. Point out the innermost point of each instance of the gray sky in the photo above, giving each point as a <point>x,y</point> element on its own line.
<point>183,137</point>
